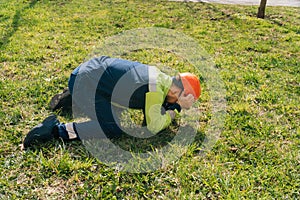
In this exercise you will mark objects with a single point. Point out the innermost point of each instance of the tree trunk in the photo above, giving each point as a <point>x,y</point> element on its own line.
<point>261,9</point>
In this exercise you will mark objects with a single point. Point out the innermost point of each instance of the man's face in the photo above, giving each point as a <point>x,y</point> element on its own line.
<point>173,94</point>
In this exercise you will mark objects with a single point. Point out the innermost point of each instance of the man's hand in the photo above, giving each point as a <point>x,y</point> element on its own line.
<point>186,101</point>
<point>172,114</point>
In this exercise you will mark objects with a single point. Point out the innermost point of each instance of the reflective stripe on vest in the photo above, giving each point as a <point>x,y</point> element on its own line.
<point>152,71</point>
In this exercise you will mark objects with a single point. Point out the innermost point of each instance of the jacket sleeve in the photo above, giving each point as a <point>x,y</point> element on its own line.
<point>155,120</point>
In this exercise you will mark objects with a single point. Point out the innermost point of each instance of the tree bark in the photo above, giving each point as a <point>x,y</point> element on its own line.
<point>261,9</point>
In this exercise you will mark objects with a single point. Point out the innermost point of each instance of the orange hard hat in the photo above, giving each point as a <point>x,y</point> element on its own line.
<point>191,84</point>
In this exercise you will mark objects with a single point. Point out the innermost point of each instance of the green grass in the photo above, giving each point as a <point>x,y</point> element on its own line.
<point>258,153</point>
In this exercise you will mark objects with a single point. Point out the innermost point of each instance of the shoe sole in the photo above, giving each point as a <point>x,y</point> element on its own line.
<point>61,100</point>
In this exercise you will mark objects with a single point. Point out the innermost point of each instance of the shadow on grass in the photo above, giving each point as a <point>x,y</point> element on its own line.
<point>132,162</point>
<point>136,145</point>
<point>15,24</point>
<point>160,140</point>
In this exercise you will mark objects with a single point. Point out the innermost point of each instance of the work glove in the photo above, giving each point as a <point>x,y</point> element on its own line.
<point>172,114</point>
<point>172,109</point>
<point>169,106</point>
<point>186,101</point>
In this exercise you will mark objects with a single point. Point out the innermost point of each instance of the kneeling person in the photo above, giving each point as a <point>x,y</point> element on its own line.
<point>160,96</point>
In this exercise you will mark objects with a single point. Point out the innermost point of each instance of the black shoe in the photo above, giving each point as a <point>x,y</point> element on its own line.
<point>41,133</point>
<point>62,101</point>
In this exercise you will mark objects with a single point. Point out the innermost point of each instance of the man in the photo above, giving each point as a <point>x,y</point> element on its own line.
<point>116,83</point>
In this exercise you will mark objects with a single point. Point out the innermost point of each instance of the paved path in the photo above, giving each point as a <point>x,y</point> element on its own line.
<point>292,3</point>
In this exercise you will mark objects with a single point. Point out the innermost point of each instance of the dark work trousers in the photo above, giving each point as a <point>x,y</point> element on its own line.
<point>130,94</point>
<point>107,115</point>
